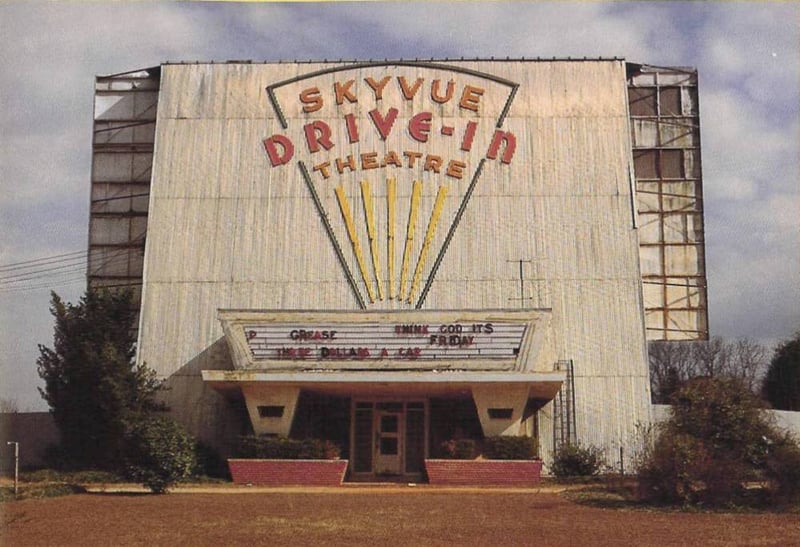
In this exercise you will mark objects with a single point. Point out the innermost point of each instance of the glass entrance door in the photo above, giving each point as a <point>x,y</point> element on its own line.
<point>388,438</point>
<point>389,426</point>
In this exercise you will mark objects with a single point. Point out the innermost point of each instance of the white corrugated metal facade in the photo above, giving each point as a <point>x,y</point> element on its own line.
<point>554,228</point>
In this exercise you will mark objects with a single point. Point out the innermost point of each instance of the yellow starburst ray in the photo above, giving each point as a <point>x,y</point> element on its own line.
<point>391,193</point>
<point>344,207</point>
<point>423,254</point>
<point>416,192</point>
<point>369,213</point>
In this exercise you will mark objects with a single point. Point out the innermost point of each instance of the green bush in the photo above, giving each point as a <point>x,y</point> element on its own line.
<point>509,448</point>
<point>782,469</point>
<point>574,460</point>
<point>284,448</point>
<point>458,449</point>
<point>159,452</point>
<point>716,441</point>
<point>208,462</point>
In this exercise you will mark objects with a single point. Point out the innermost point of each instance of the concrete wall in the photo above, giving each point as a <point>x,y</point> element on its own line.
<point>227,230</point>
<point>784,419</point>
<point>787,420</point>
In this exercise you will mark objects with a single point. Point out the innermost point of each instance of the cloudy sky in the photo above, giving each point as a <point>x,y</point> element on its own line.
<point>748,57</point>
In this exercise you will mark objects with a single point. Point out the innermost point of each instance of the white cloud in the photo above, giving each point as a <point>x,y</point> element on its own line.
<point>749,113</point>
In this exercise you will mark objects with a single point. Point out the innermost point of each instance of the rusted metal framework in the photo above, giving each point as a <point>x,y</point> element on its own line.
<point>665,129</point>
<point>122,159</point>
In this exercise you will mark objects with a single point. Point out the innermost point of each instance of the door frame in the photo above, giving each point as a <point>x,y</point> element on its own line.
<point>389,464</point>
<point>402,432</point>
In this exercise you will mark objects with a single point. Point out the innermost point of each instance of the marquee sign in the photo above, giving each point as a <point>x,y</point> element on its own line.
<point>363,341</point>
<point>489,340</point>
<point>391,154</point>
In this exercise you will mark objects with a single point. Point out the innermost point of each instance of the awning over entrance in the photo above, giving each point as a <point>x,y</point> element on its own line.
<point>499,358</point>
<point>540,385</point>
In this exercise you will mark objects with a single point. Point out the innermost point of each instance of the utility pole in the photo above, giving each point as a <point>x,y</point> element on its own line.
<point>16,466</point>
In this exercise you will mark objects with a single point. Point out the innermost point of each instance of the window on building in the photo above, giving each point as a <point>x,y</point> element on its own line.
<point>642,101</point>
<point>501,413</point>
<point>670,101</point>
<point>270,411</point>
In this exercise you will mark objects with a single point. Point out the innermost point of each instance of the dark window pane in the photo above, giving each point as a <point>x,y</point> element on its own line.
<point>415,441</point>
<point>671,164</point>
<point>644,164</point>
<point>670,100</point>
<point>390,406</point>
<point>389,423</point>
<point>642,101</point>
<point>500,413</point>
<point>270,411</point>
<point>389,446</point>
<point>363,441</point>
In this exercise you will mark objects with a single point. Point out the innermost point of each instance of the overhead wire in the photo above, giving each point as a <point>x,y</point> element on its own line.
<point>39,261</point>
<point>73,268</point>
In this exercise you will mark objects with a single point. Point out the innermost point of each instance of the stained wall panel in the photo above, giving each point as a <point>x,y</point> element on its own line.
<point>228,230</point>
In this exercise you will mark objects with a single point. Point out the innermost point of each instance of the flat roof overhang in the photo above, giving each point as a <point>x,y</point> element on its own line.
<point>542,385</point>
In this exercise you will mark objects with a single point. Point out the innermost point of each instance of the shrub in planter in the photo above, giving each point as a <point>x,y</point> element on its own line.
<point>209,462</point>
<point>458,449</point>
<point>284,448</point>
<point>509,448</point>
<point>574,460</point>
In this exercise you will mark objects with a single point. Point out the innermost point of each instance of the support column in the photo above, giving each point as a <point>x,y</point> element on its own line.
<point>271,408</point>
<point>500,407</point>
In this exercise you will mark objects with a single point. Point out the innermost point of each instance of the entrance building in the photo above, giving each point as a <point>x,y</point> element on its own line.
<point>390,388</point>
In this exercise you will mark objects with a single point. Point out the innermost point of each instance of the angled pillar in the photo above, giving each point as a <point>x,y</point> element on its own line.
<point>271,408</point>
<point>500,407</point>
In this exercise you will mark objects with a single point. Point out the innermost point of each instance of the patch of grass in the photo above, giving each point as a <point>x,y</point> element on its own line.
<point>86,476</point>
<point>39,491</point>
<point>204,479</point>
<point>624,496</point>
<point>605,497</point>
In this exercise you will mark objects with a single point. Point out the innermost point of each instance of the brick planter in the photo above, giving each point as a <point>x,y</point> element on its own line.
<point>288,472</point>
<point>484,472</point>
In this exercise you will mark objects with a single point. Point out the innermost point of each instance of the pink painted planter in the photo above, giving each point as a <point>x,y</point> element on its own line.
<point>484,472</point>
<point>288,472</point>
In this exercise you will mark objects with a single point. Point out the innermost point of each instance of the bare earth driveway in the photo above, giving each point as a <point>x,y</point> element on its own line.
<point>372,516</point>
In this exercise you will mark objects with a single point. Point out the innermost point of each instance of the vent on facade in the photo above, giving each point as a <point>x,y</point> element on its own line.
<point>501,413</point>
<point>564,407</point>
<point>270,411</point>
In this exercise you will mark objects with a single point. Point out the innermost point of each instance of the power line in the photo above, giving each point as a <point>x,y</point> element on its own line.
<point>49,277</point>
<point>41,261</point>
<point>71,263</point>
<point>80,265</point>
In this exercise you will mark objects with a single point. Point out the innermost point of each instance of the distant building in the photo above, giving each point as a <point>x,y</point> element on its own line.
<point>394,254</point>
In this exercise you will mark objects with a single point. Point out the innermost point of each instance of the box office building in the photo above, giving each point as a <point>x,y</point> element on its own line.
<point>394,254</point>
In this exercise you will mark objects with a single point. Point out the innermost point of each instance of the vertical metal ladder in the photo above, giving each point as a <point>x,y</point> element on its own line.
<point>564,407</point>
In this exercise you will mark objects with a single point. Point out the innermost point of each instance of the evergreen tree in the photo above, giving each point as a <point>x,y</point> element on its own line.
<point>782,383</point>
<point>91,381</point>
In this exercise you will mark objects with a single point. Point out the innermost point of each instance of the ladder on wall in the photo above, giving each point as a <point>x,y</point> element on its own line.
<point>564,407</point>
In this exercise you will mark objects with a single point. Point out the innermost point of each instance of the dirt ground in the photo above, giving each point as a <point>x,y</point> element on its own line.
<point>371,516</point>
